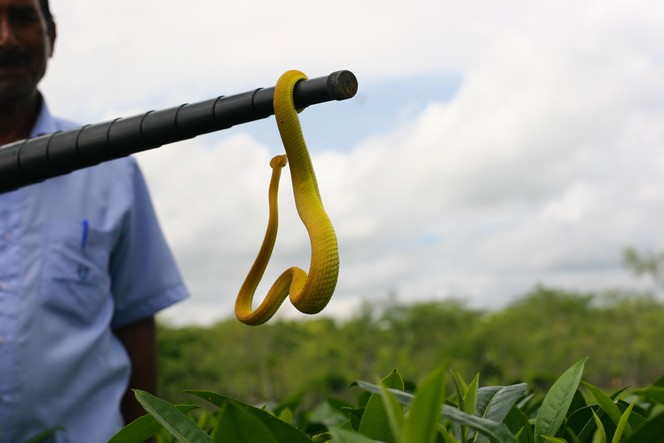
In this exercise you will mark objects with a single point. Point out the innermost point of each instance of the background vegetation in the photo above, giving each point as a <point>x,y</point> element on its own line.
<point>532,340</point>
<point>304,376</point>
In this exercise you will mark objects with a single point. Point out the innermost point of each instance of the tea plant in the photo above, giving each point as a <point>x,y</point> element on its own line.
<point>443,408</point>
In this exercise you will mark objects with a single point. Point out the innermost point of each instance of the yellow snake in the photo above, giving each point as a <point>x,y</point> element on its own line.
<point>311,292</point>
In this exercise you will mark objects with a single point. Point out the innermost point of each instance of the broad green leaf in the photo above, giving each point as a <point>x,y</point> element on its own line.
<point>557,401</point>
<point>600,433</point>
<point>424,413</point>
<point>485,395</point>
<point>237,425</point>
<point>144,427</point>
<point>375,422</point>
<point>282,431</point>
<point>623,426</point>
<point>498,432</point>
<point>554,439</point>
<point>496,404</point>
<point>343,436</point>
<point>605,402</point>
<point>179,425</point>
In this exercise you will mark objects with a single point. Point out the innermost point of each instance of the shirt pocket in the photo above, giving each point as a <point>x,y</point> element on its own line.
<point>75,272</point>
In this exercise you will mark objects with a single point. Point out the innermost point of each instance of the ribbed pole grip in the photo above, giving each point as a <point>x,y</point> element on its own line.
<point>30,161</point>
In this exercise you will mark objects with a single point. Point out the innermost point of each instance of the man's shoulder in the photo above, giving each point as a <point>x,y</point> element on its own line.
<point>121,170</point>
<point>47,123</point>
<point>63,124</point>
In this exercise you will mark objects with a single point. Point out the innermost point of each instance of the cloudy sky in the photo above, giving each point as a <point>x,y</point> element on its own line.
<point>492,146</point>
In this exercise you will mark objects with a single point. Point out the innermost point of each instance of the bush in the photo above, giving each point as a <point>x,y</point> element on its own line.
<point>442,408</point>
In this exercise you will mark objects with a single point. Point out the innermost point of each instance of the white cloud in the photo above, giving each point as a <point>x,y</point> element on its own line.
<point>543,166</point>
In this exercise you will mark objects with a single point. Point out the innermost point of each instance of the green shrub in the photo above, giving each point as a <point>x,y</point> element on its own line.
<point>442,408</point>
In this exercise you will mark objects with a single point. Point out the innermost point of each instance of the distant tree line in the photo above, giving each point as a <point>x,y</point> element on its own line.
<point>533,340</point>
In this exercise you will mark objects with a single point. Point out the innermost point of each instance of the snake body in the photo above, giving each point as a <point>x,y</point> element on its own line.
<point>309,292</point>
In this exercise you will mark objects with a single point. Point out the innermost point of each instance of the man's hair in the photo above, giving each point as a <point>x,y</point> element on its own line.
<point>46,10</point>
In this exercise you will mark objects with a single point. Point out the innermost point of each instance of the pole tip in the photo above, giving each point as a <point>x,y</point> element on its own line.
<point>341,85</point>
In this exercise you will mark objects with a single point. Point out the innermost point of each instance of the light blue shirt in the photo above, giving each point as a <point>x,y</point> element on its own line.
<point>80,255</point>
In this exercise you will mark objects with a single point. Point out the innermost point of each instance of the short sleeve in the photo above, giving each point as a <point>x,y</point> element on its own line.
<point>145,276</point>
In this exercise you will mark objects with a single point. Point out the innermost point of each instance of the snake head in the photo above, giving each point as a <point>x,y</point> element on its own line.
<point>278,161</point>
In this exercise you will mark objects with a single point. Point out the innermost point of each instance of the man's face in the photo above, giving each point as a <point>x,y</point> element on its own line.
<point>26,44</point>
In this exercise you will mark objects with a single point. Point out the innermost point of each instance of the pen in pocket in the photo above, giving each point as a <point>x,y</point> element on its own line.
<point>84,234</point>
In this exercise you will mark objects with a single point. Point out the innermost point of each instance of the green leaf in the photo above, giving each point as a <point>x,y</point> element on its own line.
<point>470,397</point>
<point>495,404</point>
<point>461,390</point>
<point>605,402</point>
<point>394,412</point>
<point>554,439</point>
<point>280,430</point>
<point>502,401</point>
<point>144,427</point>
<point>652,431</point>
<point>375,422</point>
<point>578,402</point>
<point>179,425</point>
<point>623,426</point>
<point>237,425</point>
<point>460,387</point>
<point>600,433</point>
<point>498,432</point>
<point>485,395</point>
<point>557,401</point>
<point>447,435</point>
<point>343,436</point>
<point>424,414</point>
<point>519,424</point>
<point>652,393</point>
<point>286,415</point>
<point>321,438</point>
<point>582,423</point>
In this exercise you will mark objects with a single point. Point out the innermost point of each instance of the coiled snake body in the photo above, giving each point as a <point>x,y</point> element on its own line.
<point>311,292</point>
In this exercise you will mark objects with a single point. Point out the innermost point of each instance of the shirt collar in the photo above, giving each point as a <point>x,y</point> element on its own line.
<point>45,123</point>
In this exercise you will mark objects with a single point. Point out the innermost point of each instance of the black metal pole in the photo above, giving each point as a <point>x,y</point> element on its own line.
<point>30,161</point>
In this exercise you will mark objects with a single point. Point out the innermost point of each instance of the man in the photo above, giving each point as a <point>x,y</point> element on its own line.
<point>83,268</point>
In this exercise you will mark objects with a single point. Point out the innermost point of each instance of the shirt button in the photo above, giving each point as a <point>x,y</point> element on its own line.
<point>5,286</point>
<point>3,340</point>
<point>8,236</point>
